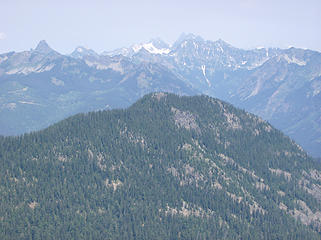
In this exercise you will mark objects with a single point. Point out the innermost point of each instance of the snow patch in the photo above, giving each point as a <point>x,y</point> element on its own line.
<point>150,48</point>
<point>204,74</point>
<point>31,103</point>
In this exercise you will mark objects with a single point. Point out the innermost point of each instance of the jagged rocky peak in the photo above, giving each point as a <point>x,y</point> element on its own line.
<point>154,46</point>
<point>43,47</point>
<point>194,41</point>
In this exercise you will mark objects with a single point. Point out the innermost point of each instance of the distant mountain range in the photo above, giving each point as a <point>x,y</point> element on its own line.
<point>168,167</point>
<point>41,86</point>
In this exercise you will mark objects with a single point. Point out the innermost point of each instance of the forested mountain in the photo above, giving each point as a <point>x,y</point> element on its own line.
<point>168,167</point>
<point>41,86</point>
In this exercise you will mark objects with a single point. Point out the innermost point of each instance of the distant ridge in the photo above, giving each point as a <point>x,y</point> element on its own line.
<point>282,86</point>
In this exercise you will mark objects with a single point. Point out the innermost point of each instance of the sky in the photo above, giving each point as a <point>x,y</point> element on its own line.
<point>110,24</point>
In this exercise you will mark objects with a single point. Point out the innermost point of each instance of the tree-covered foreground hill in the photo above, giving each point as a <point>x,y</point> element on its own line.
<point>168,167</point>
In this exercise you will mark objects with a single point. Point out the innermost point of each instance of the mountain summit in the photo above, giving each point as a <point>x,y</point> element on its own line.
<point>168,167</point>
<point>80,52</point>
<point>43,47</point>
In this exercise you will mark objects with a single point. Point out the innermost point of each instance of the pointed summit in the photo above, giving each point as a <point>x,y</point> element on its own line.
<point>43,47</point>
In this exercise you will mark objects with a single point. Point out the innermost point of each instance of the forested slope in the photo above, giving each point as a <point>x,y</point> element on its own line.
<point>168,167</point>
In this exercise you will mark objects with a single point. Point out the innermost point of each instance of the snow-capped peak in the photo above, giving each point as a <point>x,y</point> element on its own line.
<point>150,48</point>
<point>137,47</point>
<point>154,50</point>
<point>80,52</point>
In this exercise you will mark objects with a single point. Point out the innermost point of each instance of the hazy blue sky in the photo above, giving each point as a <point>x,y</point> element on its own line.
<point>106,25</point>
